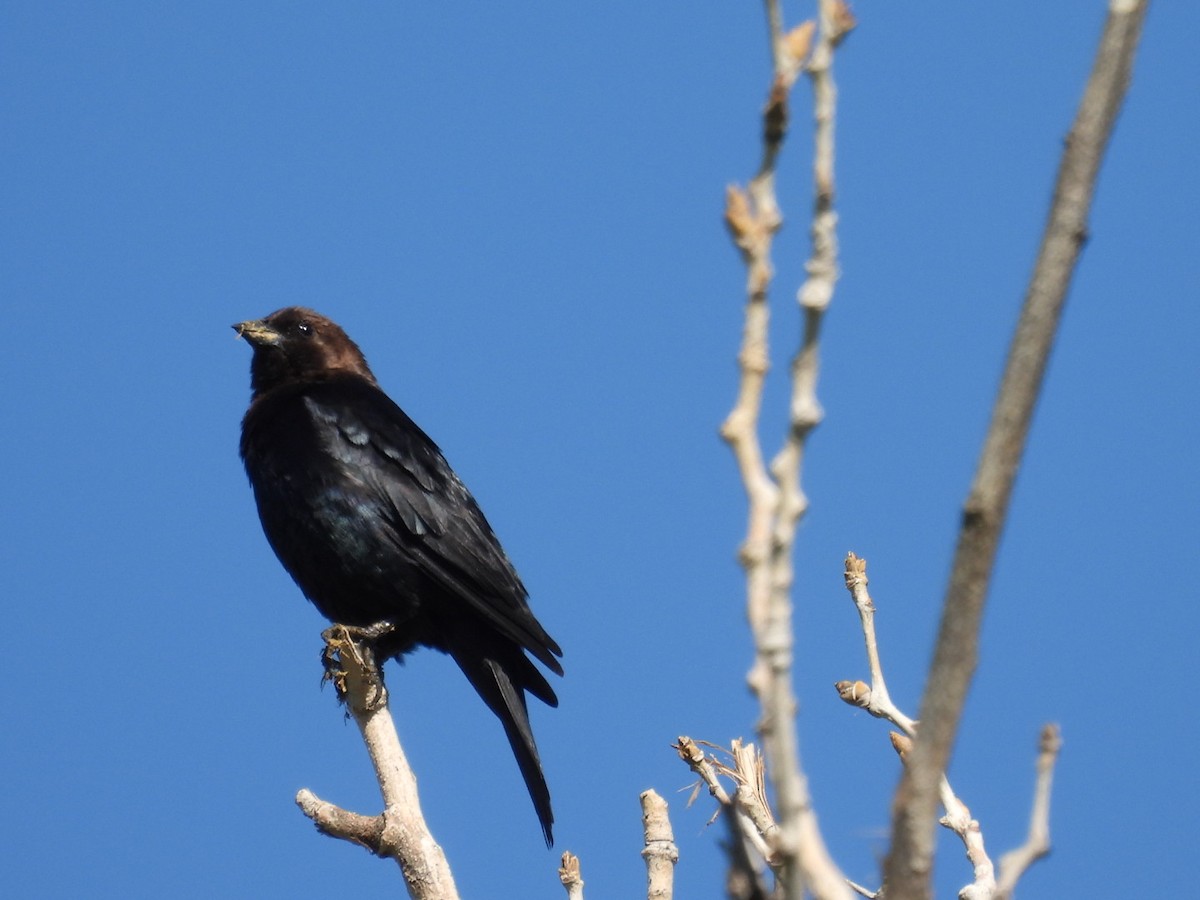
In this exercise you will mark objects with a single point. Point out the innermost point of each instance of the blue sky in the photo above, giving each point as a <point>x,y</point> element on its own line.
<point>515,209</point>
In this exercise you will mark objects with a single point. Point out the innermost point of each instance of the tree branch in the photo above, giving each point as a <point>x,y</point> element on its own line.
<point>909,862</point>
<point>775,497</point>
<point>1014,863</point>
<point>399,832</point>
<point>571,876</point>
<point>873,697</point>
<point>659,852</point>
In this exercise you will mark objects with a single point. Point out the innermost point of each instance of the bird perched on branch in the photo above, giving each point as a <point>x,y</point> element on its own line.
<point>371,522</point>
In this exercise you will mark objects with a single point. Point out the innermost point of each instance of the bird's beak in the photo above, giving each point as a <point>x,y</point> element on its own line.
<point>258,333</point>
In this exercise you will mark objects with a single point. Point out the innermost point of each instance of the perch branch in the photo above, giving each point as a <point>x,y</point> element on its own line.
<point>399,832</point>
<point>909,863</point>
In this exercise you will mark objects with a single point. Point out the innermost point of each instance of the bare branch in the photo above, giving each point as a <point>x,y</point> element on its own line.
<point>744,878</point>
<point>660,851</point>
<point>874,698</point>
<point>775,497</point>
<point>863,891</point>
<point>909,861</point>
<point>749,773</point>
<point>958,819</point>
<point>571,876</point>
<point>1037,844</point>
<point>330,819</point>
<point>400,832</point>
<point>749,809</point>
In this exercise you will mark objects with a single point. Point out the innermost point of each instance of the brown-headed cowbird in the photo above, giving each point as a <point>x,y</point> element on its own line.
<point>367,516</point>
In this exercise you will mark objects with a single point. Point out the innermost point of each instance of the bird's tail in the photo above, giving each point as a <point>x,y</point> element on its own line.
<point>501,679</point>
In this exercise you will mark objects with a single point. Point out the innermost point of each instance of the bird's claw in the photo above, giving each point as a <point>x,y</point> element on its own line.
<point>359,642</point>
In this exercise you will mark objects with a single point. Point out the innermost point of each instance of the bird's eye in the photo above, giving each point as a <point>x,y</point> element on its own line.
<point>302,327</point>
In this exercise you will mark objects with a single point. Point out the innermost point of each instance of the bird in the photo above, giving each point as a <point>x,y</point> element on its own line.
<point>374,526</point>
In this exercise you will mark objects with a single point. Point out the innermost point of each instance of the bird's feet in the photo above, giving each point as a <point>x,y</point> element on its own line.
<point>349,655</point>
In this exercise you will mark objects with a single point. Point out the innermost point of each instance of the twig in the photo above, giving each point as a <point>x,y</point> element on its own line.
<point>571,876</point>
<point>909,861</point>
<point>744,878</point>
<point>660,851</point>
<point>863,891</point>
<point>749,773</point>
<point>958,819</point>
<point>747,843</point>
<point>750,810</point>
<point>874,698</point>
<point>1037,844</point>
<point>702,764</point>
<point>400,832</point>
<point>775,497</point>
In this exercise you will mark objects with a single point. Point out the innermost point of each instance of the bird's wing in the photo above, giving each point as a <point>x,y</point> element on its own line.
<point>435,520</point>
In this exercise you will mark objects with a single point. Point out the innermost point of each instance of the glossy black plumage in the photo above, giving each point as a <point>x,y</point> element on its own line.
<point>367,516</point>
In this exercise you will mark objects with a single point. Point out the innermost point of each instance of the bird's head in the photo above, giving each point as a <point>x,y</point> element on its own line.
<point>297,344</point>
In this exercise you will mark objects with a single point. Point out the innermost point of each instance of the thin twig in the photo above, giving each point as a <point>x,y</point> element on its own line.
<point>747,843</point>
<point>702,764</point>
<point>874,698</point>
<point>958,819</point>
<point>862,891</point>
<point>749,808</point>
<point>1037,844</point>
<point>744,878</point>
<point>909,862</point>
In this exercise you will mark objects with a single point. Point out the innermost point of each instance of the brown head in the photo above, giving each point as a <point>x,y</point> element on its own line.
<point>296,344</point>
